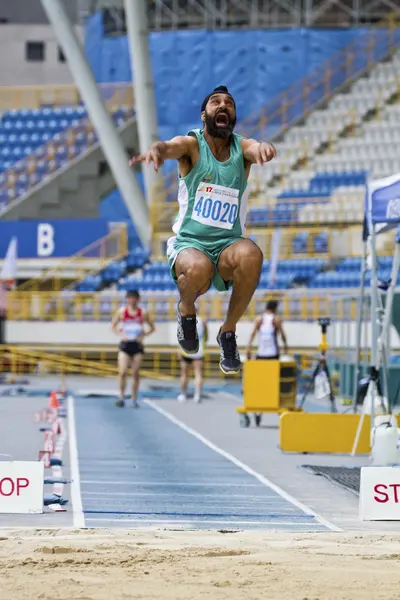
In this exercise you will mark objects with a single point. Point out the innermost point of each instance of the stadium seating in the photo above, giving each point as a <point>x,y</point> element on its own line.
<point>355,136</point>
<point>36,143</point>
<point>347,274</point>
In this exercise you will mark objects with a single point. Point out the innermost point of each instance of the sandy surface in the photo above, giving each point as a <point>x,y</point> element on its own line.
<point>178,565</point>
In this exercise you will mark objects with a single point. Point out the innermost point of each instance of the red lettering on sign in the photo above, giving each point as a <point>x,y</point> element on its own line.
<point>22,482</point>
<point>378,491</point>
<point>10,486</point>
<point>6,486</point>
<point>209,188</point>
<point>395,495</point>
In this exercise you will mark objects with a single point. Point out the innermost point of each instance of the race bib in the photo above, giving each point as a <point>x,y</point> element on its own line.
<point>132,330</point>
<point>216,205</point>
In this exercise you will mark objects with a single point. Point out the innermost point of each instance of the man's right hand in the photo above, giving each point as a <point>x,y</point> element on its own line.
<point>248,354</point>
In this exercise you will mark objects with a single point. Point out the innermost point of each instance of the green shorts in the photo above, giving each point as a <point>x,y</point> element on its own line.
<point>211,248</point>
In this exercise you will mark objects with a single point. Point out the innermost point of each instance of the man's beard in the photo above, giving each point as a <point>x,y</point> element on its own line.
<point>219,131</point>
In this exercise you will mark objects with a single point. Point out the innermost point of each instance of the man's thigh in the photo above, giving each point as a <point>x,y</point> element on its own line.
<point>232,255</point>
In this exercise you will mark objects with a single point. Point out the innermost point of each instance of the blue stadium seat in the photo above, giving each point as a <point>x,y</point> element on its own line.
<point>91,283</point>
<point>113,272</point>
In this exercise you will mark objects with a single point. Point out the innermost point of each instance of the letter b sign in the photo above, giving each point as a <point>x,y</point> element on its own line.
<point>45,240</point>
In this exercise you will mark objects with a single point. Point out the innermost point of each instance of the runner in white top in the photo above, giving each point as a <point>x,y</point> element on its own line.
<point>197,360</point>
<point>268,326</point>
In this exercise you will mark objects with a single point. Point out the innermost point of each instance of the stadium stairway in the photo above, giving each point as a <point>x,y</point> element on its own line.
<point>306,149</point>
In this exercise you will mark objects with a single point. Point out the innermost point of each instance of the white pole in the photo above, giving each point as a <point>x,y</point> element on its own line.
<point>374,322</point>
<point>359,325</point>
<point>143,88</point>
<point>99,116</point>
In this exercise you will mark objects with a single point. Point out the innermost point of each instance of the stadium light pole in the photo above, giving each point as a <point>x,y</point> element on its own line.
<point>100,117</point>
<point>143,88</point>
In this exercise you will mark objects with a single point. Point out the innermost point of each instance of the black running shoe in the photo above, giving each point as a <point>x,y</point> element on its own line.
<point>188,338</point>
<point>229,361</point>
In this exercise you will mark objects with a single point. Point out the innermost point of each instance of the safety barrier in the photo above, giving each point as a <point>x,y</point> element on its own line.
<point>162,364</point>
<point>91,306</point>
<point>96,256</point>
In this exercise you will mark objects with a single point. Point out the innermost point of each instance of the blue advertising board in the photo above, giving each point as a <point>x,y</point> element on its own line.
<point>58,238</point>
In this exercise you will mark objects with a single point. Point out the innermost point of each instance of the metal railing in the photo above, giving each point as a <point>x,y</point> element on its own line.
<point>262,236</point>
<point>33,97</point>
<point>159,364</point>
<point>88,307</point>
<point>18,361</point>
<point>93,258</point>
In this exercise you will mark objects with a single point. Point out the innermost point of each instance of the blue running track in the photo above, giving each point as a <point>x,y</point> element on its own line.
<point>138,469</point>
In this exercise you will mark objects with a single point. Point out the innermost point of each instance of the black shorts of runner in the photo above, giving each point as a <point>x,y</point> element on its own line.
<point>189,359</point>
<point>131,348</point>
<point>275,357</point>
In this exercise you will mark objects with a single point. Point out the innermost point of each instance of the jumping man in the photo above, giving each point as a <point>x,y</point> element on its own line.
<point>129,322</point>
<point>214,165</point>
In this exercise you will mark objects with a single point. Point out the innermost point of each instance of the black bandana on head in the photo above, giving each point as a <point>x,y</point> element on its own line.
<point>221,89</point>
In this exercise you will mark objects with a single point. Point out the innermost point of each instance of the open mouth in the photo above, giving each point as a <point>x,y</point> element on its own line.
<point>222,120</point>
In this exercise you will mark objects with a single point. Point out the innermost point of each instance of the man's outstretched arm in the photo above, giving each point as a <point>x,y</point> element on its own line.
<point>175,149</point>
<point>257,152</point>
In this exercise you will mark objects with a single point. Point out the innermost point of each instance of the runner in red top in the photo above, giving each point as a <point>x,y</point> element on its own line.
<point>129,322</point>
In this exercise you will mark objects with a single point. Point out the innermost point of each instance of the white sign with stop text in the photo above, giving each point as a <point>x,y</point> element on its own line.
<point>21,487</point>
<point>380,494</point>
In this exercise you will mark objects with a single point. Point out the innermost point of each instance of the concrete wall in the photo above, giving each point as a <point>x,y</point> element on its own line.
<point>16,70</point>
<point>31,11</point>
<point>300,335</point>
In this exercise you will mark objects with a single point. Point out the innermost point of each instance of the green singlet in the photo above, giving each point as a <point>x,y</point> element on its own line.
<point>212,206</point>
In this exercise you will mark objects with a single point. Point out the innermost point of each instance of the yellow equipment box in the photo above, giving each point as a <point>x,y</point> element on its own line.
<point>324,433</point>
<point>268,386</point>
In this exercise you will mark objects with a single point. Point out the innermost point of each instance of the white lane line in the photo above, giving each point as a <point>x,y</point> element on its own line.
<point>76,498</point>
<point>244,467</point>
<point>169,484</point>
<point>194,495</point>
<point>171,522</point>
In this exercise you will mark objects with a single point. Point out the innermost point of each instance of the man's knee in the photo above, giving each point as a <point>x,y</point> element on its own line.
<point>194,266</point>
<point>249,252</point>
<point>244,254</point>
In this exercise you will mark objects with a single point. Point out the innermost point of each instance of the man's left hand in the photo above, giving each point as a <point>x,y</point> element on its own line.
<point>264,152</point>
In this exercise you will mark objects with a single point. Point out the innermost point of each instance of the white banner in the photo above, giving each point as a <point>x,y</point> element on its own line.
<point>275,245</point>
<point>380,494</point>
<point>9,270</point>
<point>21,487</point>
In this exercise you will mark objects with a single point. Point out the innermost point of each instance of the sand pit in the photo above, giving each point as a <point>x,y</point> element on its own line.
<point>181,565</point>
